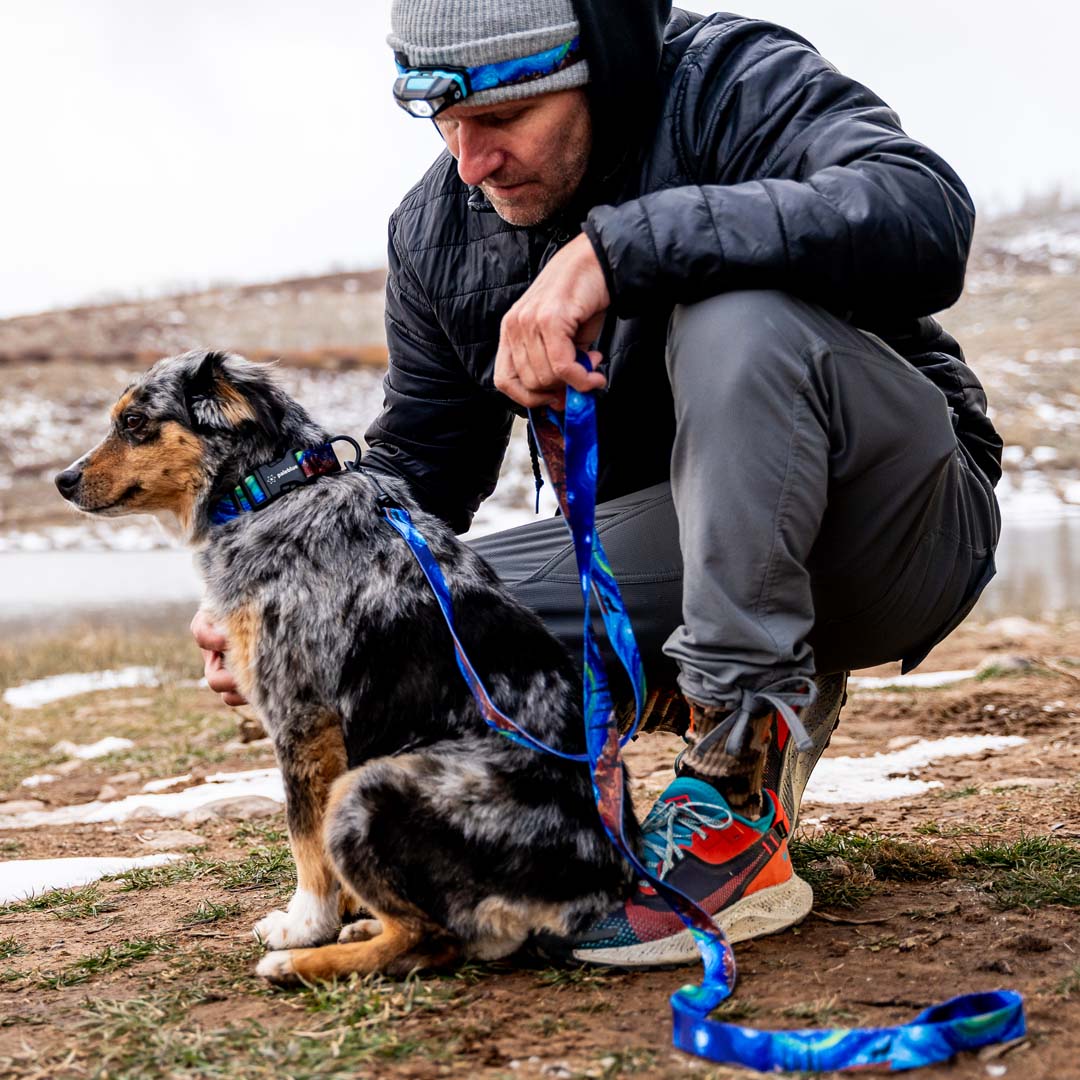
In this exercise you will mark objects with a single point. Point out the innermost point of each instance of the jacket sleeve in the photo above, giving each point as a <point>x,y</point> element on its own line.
<point>439,430</point>
<point>805,182</point>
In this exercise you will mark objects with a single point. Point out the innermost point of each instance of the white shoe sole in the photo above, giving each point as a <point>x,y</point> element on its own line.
<point>767,911</point>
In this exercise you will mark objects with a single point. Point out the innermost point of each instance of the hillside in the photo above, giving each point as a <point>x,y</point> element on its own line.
<point>1019,320</point>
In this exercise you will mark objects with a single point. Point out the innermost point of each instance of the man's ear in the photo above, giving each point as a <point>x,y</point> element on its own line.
<point>213,399</point>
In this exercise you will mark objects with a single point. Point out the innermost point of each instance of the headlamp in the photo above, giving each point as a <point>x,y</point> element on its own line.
<point>426,93</point>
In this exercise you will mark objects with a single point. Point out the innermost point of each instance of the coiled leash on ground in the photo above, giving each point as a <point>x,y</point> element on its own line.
<point>568,445</point>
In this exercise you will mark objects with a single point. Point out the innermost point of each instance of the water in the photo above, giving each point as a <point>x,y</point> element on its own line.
<point>1038,575</point>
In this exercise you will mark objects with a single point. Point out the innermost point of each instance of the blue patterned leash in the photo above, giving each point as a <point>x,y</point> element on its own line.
<point>569,446</point>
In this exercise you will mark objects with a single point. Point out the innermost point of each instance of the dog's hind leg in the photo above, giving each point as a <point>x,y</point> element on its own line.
<point>407,942</point>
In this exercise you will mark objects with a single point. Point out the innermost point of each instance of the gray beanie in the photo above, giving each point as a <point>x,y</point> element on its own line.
<point>468,33</point>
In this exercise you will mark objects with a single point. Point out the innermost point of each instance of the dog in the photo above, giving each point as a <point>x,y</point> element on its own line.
<point>400,800</point>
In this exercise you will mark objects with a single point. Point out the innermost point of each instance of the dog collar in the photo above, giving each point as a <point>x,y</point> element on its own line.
<point>266,483</point>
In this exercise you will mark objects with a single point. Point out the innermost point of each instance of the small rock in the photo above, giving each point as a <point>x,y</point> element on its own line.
<point>144,813</point>
<point>66,768</point>
<point>900,741</point>
<point>238,809</point>
<point>251,729</point>
<point>1003,664</point>
<point>126,778</point>
<point>21,806</point>
<point>108,793</point>
<point>172,840</point>
<point>1024,782</point>
<point>1026,941</point>
<point>1000,966</point>
<point>1014,627</point>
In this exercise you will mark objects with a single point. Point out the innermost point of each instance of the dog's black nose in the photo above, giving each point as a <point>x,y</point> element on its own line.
<point>68,481</point>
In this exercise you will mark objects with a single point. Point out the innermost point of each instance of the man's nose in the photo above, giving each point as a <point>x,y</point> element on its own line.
<point>478,155</point>
<point>68,481</point>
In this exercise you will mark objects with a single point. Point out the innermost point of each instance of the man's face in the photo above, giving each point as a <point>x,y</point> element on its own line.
<point>528,156</point>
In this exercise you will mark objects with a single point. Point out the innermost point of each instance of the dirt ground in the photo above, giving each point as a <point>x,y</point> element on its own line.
<point>973,885</point>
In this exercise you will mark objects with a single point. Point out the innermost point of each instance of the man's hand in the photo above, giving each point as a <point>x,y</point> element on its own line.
<point>559,313</point>
<point>214,644</point>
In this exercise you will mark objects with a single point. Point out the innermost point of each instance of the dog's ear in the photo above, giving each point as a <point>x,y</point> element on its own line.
<point>225,392</point>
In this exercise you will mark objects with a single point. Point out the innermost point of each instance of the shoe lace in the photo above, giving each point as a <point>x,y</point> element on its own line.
<point>670,827</point>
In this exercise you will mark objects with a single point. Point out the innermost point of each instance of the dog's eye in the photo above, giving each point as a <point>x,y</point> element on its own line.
<point>134,422</point>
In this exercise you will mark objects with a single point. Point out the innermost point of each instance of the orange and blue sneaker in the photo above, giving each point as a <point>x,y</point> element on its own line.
<point>738,870</point>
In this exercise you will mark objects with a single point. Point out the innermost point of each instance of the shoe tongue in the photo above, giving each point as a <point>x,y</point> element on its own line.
<point>689,789</point>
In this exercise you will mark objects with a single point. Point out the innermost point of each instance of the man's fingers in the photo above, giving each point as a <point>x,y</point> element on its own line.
<point>208,636</point>
<point>220,680</point>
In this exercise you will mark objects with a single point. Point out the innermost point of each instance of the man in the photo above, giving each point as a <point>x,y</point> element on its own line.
<point>796,467</point>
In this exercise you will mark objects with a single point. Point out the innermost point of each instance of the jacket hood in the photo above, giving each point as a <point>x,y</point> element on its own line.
<point>623,41</point>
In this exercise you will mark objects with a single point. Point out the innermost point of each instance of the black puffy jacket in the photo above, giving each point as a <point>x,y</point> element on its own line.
<point>745,161</point>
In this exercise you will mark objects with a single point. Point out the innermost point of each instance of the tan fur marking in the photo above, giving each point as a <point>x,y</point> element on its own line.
<point>121,405</point>
<point>234,406</point>
<point>503,924</point>
<point>318,764</point>
<point>168,471</point>
<point>243,626</point>
<point>394,951</point>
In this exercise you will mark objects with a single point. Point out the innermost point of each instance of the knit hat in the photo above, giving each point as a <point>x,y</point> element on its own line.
<point>472,33</point>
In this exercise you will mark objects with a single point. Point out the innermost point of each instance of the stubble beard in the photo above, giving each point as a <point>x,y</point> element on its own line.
<point>552,193</point>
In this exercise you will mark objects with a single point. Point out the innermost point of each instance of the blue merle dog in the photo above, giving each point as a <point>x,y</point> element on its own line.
<point>400,800</point>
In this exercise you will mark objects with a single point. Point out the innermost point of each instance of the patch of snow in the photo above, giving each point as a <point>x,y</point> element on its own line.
<point>167,782</point>
<point>263,782</point>
<point>38,779</point>
<point>918,678</point>
<point>33,695</point>
<point>21,879</point>
<point>88,751</point>
<point>884,776</point>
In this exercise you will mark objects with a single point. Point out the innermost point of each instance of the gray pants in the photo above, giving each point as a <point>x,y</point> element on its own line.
<point>821,515</point>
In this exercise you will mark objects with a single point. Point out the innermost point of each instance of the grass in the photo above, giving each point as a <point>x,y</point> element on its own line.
<point>269,866</point>
<point>109,959</point>
<point>1026,873</point>
<point>84,902</point>
<point>9,947</point>
<point>342,1030</point>
<point>958,793</point>
<point>210,912</point>
<point>844,869</point>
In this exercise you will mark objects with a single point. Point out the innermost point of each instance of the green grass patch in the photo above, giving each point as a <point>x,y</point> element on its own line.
<point>843,868</point>
<point>12,847</point>
<point>9,947</point>
<point>262,867</point>
<point>109,959</point>
<point>958,793</point>
<point>331,1031</point>
<point>210,912</point>
<point>1029,873</point>
<point>84,902</point>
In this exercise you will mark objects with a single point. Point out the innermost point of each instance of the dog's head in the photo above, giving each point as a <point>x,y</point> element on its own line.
<point>184,434</point>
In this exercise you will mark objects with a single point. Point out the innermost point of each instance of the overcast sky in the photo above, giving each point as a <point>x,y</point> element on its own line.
<point>150,144</point>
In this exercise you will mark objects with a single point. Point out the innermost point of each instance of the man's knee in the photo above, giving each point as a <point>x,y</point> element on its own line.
<point>724,341</point>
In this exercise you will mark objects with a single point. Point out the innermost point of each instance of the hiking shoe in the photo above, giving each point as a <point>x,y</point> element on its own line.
<point>738,870</point>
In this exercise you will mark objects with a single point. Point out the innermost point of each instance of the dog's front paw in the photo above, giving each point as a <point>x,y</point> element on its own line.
<point>308,920</point>
<point>277,967</point>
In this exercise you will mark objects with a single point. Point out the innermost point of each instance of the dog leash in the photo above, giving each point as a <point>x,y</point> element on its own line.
<point>569,446</point>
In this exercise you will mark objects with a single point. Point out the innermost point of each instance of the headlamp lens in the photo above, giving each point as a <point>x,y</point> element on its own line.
<point>425,94</point>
